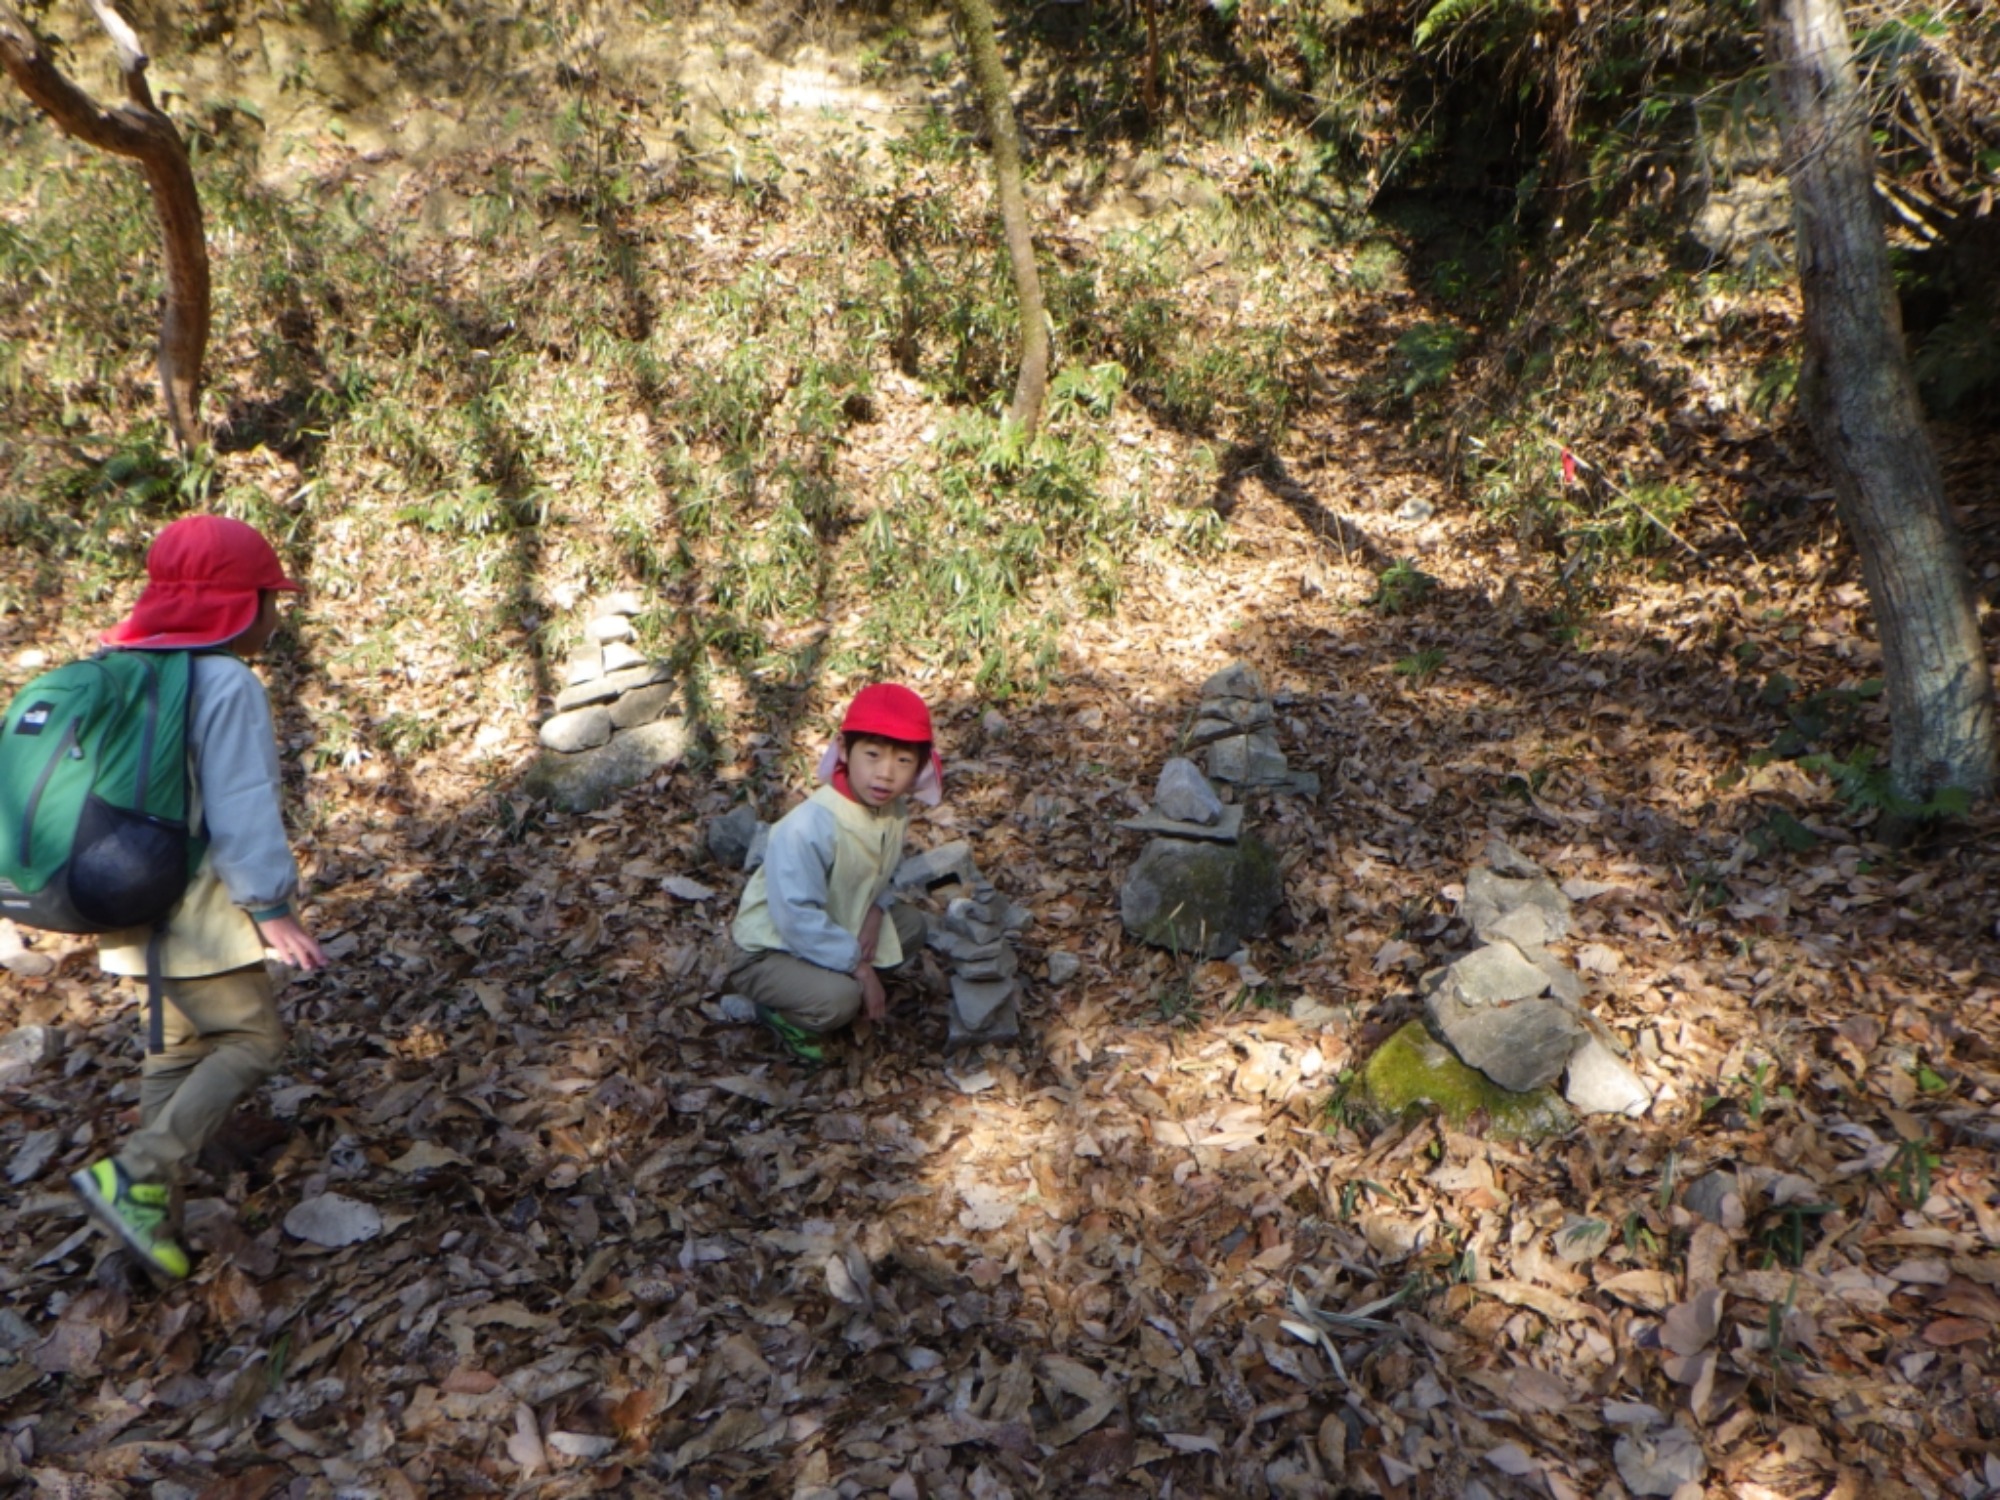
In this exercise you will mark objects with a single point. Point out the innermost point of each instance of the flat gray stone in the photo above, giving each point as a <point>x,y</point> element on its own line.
<point>1014,917</point>
<point>578,729</point>
<point>961,947</point>
<point>1229,759</point>
<point>952,861</point>
<point>644,705</point>
<point>1491,897</point>
<point>729,836</point>
<point>621,654</point>
<point>585,782</point>
<point>1237,680</point>
<point>1207,731</point>
<point>1004,964</point>
<point>1506,860</point>
<point>623,602</point>
<point>1063,967</point>
<point>612,685</point>
<point>978,934</point>
<point>1226,831</point>
<point>1183,794</point>
<point>1525,927</point>
<point>1302,784</point>
<point>1498,974</point>
<point>1600,1083</point>
<point>1249,760</point>
<point>1564,982</point>
<point>1245,713</point>
<point>1002,1024</point>
<point>1199,897</point>
<point>1522,1047</point>
<point>1267,764</point>
<point>973,1001</point>
<point>605,629</point>
<point>738,1008</point>
<point>759,842</point>
<point>585,664</point>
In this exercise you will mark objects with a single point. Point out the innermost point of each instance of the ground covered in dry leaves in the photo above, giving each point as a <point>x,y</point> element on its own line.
<point>626,1247</point>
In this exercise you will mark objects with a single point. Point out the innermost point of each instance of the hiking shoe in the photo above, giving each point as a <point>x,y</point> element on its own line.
<point>802,1044</point>
<point>137,1213</point>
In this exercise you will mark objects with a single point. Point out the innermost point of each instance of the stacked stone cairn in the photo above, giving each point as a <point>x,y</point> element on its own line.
<point>1236,726</point>
<point>1201,884</point>
<point>614,721</point>
<point>1511,1008</point>
<point>975,935</point>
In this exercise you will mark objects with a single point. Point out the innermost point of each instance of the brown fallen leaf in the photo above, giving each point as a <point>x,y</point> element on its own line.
<point>469,1382</point>
<point>1648,1289</point>
<point>633,1414</point>
<point>1948,1333</point>
<point>1549,1304</point>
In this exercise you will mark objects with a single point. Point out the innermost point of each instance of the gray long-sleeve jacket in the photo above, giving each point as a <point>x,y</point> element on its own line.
<point>248,874</point>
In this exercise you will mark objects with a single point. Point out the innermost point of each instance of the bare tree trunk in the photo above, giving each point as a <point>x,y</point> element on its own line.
<point>140,130</point>
<point>989,76</point>
<point>1862,407</point>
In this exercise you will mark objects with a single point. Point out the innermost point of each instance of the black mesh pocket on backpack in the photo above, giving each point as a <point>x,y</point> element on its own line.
<point>126,869</point>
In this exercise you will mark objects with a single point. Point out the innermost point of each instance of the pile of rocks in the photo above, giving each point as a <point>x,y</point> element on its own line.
<point>976,936</point>
<point>1201,884</point>
<point>1236,725</point>
<point>1511,1008</point>
<point>614,721</point>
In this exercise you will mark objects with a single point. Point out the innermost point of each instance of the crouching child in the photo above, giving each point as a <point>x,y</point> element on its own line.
<point>212,589</point>
<point>817,922</point>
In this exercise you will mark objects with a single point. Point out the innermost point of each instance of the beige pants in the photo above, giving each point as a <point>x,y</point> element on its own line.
<point>818,1000</point>
<point>223,1038</point>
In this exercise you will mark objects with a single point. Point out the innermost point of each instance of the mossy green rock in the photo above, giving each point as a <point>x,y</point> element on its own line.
<point>1414,1068</point>
<point>1201,898</point>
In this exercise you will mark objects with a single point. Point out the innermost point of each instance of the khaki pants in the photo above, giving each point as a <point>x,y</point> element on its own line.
<point>818,1000</point>
<point>223,1038</point>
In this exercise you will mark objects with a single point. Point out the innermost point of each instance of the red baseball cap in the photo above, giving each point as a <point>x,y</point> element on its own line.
<point>203,578</point>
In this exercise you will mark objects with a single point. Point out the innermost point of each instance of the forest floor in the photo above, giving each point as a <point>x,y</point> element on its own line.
<point>627,1247</point>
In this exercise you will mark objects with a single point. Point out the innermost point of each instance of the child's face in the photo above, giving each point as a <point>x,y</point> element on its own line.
<point>258,636</point>
<point>880,772</point>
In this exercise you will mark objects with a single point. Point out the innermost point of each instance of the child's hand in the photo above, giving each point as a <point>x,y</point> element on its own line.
<point>874,999</point>
<point>287,937</point>
<point>870,934</point>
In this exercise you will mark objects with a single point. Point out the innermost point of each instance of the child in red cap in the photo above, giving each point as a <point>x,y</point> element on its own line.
<point>212,587</point>
<point>816,921</point>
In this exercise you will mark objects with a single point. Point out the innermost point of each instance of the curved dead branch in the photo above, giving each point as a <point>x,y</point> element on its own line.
<point>140,130</point>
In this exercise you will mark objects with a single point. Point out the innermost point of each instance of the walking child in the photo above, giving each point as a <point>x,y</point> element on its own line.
<point>212,588</point>
<point>817,923</point>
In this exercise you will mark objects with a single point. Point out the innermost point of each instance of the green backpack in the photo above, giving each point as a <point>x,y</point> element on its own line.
<point>94,832</point>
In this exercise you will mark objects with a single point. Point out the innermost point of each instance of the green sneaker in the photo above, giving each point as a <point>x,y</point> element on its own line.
<point>802,1044</point>
<point>135,1212</point>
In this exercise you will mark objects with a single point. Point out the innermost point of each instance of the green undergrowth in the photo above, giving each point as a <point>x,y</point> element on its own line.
<point>463,430</point>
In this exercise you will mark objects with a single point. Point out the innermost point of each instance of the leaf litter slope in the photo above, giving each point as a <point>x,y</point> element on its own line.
<point>622,1238</point>
<point>625,1246</point>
